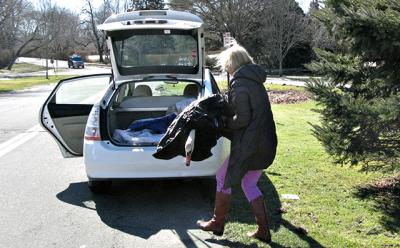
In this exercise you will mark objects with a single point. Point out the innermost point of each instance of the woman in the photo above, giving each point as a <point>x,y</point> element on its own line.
<point>253,143</point>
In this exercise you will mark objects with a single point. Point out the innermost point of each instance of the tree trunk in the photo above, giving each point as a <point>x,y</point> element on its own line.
<point>101,60</point>
<point>12,62</point>
<point>98,45</point>
<point>20,52</point>
<point>14,57</point>
<point>280,55</point>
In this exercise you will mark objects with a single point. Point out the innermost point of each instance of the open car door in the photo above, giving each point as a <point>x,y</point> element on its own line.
<point>211,83</point>
<point>65,112</point>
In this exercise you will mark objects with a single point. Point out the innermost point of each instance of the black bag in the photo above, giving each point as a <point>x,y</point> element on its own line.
<point>203,115</point>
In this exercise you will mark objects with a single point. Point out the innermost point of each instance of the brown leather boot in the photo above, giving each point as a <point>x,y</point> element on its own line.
<point>262,233</point>
<point>217,222</point>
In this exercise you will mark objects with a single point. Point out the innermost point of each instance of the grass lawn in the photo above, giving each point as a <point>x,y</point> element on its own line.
<point>172,88</point>
<point>179,87</point>
<point>223,85</point>
<point>279,87</point>
<point>24,68</point>
<point>330,206</point>
<point>22,83</point>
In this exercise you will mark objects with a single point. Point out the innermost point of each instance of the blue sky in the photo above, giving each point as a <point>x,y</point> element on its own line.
<point>76,5</point>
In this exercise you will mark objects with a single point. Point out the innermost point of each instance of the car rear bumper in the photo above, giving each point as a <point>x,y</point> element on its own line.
<point>107,161</point>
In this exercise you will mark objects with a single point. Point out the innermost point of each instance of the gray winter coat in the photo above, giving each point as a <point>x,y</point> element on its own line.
<point>254,141</point>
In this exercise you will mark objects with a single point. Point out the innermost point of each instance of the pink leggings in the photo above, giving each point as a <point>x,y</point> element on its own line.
<point>249,182</point>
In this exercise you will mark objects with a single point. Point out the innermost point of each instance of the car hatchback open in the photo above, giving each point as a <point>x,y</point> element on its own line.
<point>158,69</point>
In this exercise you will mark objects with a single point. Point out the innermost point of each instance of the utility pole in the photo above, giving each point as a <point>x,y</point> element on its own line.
<point>47,62</point>
<point>47,57</point>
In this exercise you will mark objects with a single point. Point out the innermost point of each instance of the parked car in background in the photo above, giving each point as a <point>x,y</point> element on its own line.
<point>75,61</point>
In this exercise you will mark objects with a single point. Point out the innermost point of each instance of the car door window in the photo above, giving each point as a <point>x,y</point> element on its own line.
<point>65,112</point>
<point>81,90</point>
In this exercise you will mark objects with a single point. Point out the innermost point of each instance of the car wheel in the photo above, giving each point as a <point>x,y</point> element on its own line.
<point>99,187</point>
<point>83,67</point>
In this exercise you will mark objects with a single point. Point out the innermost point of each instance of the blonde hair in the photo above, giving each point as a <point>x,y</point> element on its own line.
<point>234,57</point>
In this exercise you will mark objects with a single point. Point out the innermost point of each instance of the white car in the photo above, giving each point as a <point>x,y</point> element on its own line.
<point>89,116</point>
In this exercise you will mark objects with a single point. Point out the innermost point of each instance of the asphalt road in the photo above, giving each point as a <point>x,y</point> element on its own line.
<point>45,202</point>
<point>61,67</point>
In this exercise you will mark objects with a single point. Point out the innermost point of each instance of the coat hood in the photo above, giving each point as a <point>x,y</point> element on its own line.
<point>251,71</point>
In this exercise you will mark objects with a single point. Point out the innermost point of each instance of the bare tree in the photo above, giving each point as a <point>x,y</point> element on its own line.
<point>25,31</point>
<point>239,17</point>
<point>94,17</point>
<point>320,37</point>
<point>62,28</point>
<point>120,6</point>
<point>64,43</point>
<point>126,5</point>
<point>8,8</point>
<point>147,4</point>
<point>51,31</point>
<point>283,29</point>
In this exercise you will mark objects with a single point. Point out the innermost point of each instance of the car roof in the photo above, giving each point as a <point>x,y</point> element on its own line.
<point>145,14</point>
<point>151,19</point>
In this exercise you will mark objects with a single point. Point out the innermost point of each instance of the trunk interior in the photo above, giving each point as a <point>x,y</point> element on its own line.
<point>132,109</point>
<point>140,112</point>
<point>121,119</point>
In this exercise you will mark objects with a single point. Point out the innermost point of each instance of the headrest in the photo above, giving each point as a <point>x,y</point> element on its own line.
<point>142,90</point>
<point>191,90</point>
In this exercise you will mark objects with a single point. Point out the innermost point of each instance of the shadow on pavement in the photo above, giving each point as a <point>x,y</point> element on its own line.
<point>143,208</point>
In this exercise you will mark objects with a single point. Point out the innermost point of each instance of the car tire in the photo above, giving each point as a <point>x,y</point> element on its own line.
<point>99,187</point>
<point>83,67</point>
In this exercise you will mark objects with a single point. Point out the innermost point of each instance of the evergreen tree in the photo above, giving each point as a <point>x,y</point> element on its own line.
<point>147,4</point>
<point>360,93</point>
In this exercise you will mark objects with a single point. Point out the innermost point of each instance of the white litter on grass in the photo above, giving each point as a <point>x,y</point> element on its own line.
<point>290,196</point>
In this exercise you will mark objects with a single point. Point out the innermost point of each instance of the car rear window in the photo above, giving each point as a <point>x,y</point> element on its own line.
<point>76,58</point>
<point>158,89</point>
<point>156,51</point>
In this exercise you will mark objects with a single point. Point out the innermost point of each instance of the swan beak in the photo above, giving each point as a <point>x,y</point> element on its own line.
<point>188,159</point>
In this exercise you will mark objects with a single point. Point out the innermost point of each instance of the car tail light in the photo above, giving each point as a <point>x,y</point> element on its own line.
<point>92,131</point>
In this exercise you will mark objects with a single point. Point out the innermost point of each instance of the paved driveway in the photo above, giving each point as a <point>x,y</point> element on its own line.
<point>45,202</point>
